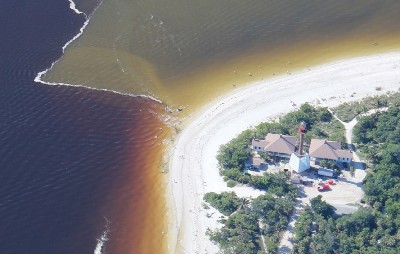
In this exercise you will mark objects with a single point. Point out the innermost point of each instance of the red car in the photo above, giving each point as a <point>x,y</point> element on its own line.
<point>324,187</point>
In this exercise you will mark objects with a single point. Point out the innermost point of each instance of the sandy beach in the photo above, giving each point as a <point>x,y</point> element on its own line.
<point>193,166</point>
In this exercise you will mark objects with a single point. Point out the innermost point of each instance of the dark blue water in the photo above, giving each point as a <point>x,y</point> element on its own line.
<point>63,151</point>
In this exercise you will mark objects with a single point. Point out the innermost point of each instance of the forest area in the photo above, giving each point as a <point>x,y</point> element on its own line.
<point>376,227</point>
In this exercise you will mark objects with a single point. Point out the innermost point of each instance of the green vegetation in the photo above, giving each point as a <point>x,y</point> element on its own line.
<point>226,202</point>
<point>378,137</point>
<point>302,232</point>
<point>236,175</point>
<point>273,183</point>
<point>320,124</point>
<point>327,164</point>
<point>369,230</point>
<point>231,183</point>
<point>241,233</point>
<point>234,154</point>
<point>238,235</point>
<point>274,214</point>
<point>321,207</point>
<point>375,229</point>
<point>349,110</point>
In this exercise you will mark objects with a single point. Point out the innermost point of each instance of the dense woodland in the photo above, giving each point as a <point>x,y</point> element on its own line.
<point>247,220</point>
<point>376,228</point>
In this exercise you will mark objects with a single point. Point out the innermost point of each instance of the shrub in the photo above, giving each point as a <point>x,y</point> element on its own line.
<point>226,202</point>
<point>231,183</point>
<point>321,207</point>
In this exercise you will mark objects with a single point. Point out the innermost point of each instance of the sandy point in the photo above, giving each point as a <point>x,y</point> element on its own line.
<point>193,168</point>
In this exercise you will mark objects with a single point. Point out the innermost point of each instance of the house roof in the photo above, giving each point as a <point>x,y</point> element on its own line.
<point>279,143</point>
<point>344,154</point>
<point>258,142</point>
<point>325,149</point>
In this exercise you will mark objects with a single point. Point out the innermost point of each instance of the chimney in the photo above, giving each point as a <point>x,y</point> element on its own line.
<point>302,130</point>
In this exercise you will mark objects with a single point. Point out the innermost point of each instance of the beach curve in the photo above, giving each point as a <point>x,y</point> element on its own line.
<point>193,166</point>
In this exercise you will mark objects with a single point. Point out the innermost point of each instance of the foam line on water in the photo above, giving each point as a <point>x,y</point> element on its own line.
<point>101,241</point>
<point>38,78</point>
<point>72,6</point>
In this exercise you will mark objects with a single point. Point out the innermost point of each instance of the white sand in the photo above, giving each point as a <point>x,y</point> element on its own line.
<point>193,165</point>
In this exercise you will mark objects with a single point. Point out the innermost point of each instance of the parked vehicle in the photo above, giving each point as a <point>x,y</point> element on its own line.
<point>324,187</point>
<point>331,182</point>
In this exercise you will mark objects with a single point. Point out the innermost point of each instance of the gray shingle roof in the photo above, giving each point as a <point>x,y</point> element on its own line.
<point>280,143</point>
<point>259,142</point>
<point>325,149</point>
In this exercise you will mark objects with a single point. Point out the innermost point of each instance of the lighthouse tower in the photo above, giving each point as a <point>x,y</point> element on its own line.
<point>302,131</point>
<point>299,161</point>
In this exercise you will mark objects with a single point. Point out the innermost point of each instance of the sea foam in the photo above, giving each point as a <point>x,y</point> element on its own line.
<point>103,239</point>
<point>73,7</point>
<point>38,78</point>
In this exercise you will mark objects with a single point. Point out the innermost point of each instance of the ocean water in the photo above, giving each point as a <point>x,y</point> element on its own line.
<point>80,170</point>
<point>187,52</point>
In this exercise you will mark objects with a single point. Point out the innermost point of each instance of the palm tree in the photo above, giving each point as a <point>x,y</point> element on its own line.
<point>245,204</point>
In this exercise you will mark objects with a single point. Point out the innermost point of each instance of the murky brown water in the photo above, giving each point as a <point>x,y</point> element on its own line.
<point>188,52</point>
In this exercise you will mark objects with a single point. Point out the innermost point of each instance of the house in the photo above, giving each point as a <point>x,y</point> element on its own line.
<point>258,144</point>
<point>299,163</point>
<point>328,150</point>
<point>276,145</point>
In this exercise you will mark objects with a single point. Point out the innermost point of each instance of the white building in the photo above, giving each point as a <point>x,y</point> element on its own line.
<point>299,163</point>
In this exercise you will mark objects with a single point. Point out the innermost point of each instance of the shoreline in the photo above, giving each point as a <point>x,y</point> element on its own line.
<point>193,168</point>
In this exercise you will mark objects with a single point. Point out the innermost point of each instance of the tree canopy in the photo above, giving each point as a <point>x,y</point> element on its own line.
<point>226,202</point>
<point>266,214</point>
<point>369,230</point>
<point>321,207</point>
